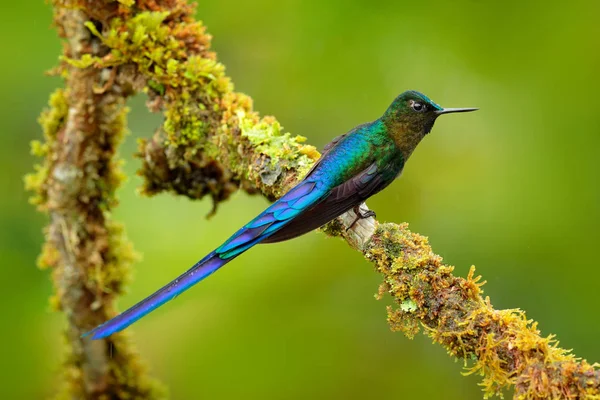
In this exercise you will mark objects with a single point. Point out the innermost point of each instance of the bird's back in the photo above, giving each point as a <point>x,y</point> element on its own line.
<point>354,152</point>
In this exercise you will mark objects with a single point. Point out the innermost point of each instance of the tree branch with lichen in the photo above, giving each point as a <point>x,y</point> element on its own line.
<point>212,143</point>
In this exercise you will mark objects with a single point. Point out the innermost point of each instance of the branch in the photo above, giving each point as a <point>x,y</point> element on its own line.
<point>85,248</point>
<point>212,143</point>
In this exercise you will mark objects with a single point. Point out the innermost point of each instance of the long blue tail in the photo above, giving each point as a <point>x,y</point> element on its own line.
<point>199,271</point>
<point>279,214</point>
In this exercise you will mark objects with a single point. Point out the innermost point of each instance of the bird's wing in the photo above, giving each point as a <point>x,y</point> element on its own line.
<point>300,198</point>
<point>341,199</point>
<point>303,196</point>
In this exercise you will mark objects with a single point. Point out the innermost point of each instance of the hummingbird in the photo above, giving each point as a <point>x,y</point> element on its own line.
<point>353,167</point>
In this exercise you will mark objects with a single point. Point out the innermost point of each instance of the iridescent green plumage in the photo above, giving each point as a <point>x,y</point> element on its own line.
<point>353,167</point>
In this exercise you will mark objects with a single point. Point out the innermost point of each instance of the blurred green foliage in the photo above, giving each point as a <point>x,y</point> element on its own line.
<point>513,189</point>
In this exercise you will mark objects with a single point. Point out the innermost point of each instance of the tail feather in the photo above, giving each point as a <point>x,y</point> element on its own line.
<point>264,225</point>
<point>199,271</point>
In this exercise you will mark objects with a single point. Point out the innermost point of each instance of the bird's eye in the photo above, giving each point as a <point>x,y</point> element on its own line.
<point>418,107</point>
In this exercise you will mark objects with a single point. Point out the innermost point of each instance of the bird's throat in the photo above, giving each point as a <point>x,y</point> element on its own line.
<point>406,137</point>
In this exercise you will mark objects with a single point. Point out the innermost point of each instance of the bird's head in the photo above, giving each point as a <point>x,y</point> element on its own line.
<point>411,116</point>
<point>417,112</point>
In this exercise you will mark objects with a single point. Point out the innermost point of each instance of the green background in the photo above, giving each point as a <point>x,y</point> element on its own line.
<point>513,189</point>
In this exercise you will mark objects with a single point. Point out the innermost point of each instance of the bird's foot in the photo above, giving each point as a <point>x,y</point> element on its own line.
<point>360,215</point>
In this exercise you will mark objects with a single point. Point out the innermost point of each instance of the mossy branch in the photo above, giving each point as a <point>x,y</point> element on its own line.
<point>86,249</point>
<point>212,143</point>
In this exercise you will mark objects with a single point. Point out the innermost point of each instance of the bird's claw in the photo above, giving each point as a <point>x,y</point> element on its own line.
<point>360,215</point>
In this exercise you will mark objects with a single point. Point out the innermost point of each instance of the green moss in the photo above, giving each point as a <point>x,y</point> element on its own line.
<point>38,148</point>
<point>267,138</point>
<point>389,236</point>
<point>51,121</point>
<point>201,110</point>
<point>87,60</point>
<point>157,87</point>
<point>115,175</point>
<point>408,306</point>
<point>334,228</point>
<point>159,51</point>
<point>116,265</point>
<point>54,116</point>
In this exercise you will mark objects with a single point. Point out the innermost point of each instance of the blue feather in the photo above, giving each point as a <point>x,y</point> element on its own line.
<point>279,214</point>
<point>199,271</point>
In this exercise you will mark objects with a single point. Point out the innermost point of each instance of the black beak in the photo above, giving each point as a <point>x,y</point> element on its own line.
<point>455,110</point>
